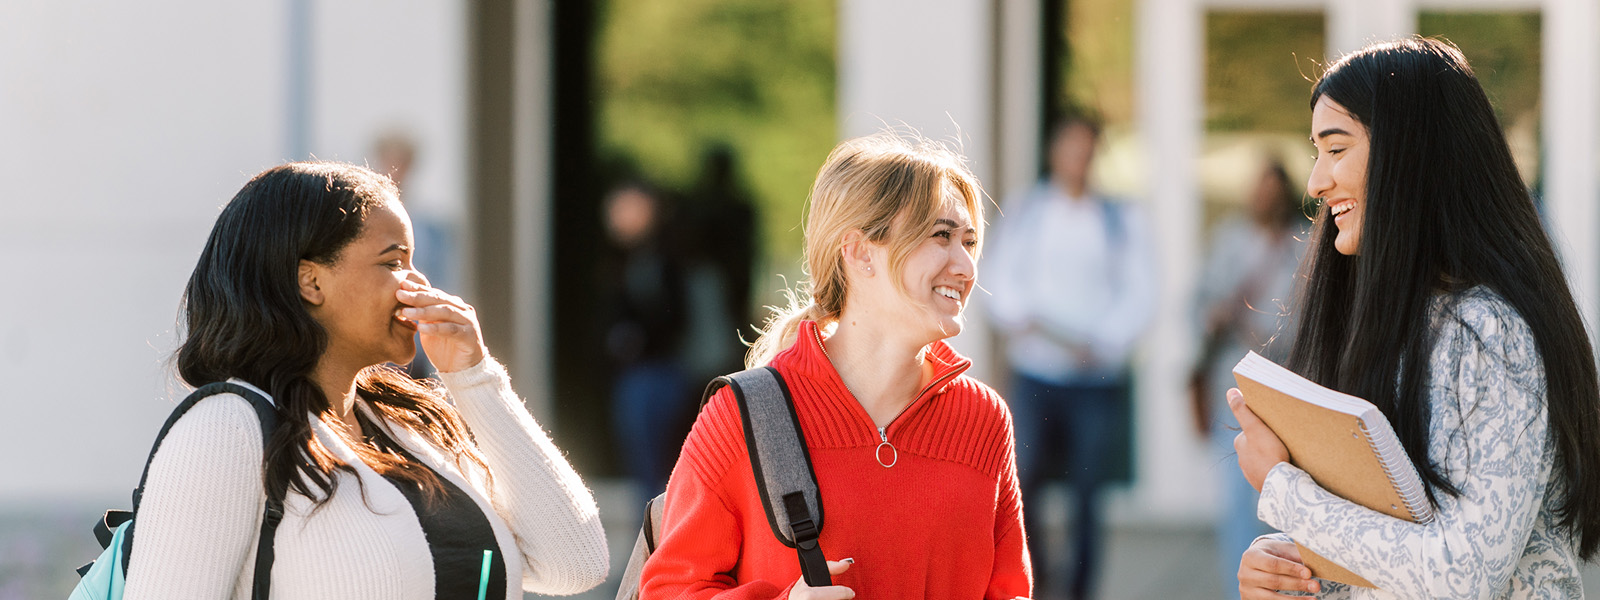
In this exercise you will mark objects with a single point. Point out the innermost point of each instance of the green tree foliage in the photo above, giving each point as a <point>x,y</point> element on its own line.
<point>1259,67</point>
<point>676,78</point>
<point>1504,50</point>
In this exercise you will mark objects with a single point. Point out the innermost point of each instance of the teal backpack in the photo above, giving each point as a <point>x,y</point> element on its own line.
<point>103,579</point>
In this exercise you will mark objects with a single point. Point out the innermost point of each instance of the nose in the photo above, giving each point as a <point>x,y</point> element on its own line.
<point>962,264</point>
<point>1320,183</point>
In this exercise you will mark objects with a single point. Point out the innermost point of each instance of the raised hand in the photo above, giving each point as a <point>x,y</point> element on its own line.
<point>447,324</point>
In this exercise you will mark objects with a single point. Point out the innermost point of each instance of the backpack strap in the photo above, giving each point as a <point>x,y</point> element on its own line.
<point>781,463</point>
<point>272,514</point>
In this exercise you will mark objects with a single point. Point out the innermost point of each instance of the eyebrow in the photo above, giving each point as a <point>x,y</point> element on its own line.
<point>948,223</point>
<point>1330,131</point>
<point>393,247</point>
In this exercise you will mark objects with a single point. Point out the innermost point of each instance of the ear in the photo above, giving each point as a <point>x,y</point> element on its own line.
<point>310,291</point>
<point>857,252</point>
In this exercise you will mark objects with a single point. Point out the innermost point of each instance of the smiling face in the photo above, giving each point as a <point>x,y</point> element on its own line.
<point>935,280</point>
<point>1339,178</point>
<point>354,298</point>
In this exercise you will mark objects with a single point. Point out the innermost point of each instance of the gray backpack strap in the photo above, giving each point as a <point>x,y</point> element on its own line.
<point>782,465</point>
<point>783,474</point>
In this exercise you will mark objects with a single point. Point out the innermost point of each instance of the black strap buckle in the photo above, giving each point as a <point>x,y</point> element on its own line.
<point>813,565</point>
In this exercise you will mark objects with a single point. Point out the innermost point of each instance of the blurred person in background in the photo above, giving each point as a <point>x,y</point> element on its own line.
<point>1241,303</point>
<point>394,154</point>
<point>391,487</point>
<point>720,247</point>
<point>1074,286</point>
<point>914,460</point>
<point>648,314</point>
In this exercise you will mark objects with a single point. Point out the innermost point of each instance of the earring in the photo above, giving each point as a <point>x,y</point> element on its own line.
<point>869,268</point>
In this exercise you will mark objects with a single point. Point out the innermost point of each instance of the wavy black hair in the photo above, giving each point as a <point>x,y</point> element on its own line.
<point>243,317</point>
<point>1445,210</point>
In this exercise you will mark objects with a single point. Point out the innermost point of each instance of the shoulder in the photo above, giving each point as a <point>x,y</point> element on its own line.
<point>1481,317</point>
<point>216,442</point>
<point>1478,326</point>
<point>717,439</point>
<point>979,398</point>
<point>220,419</point>
<point>968,424</point>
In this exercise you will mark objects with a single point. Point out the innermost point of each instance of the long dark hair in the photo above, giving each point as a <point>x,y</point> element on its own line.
<point>1445,209</point>
<point>244,318</point>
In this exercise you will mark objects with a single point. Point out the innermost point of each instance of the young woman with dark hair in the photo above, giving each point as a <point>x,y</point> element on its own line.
<point>392,488</point>
<point>1432,291</point>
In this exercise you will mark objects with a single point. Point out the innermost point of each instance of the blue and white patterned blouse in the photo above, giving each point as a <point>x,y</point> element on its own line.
<point>1490,436</point>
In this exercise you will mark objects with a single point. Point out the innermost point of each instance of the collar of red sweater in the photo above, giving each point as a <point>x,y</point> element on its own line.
<point>807,358</point>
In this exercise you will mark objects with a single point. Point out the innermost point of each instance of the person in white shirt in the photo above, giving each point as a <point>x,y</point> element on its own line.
<point>1073,288</point>
<point>391,488</point>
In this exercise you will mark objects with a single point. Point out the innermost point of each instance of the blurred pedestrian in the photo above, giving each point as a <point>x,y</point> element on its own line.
<point>721,244</point>
<point>1073,285</point>
<point>913,459</point>
<point>1242,306</point>
<point>647,317</point>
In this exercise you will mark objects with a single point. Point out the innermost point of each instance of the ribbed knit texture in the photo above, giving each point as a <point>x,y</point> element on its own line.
<point>944,522</point>
<point>199,520</point>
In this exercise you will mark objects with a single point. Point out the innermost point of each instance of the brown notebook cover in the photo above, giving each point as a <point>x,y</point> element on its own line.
<point>1343,442</point>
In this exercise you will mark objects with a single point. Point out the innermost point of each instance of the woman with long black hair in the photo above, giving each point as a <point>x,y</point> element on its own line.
<point>1432,291</point>
<point>392,488</point>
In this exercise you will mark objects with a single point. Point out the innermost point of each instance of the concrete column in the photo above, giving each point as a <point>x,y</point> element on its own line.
<point>532,249</point>
<point>929,66</point>
<point>1356,23</point>
<point>1017,98</point>
<point>1571,92</point>
<point>1170,70</point>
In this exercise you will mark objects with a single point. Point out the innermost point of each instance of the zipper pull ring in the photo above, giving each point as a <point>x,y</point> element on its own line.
<point>894,454</point>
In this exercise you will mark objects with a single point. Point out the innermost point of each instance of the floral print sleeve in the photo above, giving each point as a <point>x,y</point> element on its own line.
<point>1490,437</point>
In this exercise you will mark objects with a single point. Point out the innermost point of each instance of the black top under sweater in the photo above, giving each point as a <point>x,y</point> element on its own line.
<point>457,534</point>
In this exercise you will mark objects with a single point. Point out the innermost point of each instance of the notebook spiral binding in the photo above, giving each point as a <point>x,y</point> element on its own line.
<point>1398,468</point>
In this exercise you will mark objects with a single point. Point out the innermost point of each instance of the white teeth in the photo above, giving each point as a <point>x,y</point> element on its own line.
<point>1339,209</point>
<point>948,293</point>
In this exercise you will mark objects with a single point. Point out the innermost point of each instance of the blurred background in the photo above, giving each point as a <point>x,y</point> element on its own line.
<point>546,148</point>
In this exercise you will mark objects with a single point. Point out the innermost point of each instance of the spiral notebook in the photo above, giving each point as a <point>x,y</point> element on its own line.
<point>1342,441</point>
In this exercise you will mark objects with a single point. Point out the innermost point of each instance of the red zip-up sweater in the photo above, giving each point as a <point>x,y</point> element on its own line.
<point>945,521</point>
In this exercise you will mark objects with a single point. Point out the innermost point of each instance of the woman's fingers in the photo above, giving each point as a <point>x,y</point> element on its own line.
<point>1247,418</point>
<point>801,591</point>
<point>1267,568</point>
<point>836,567</point>
<point>446,313</point>
<point>416,294</point>
<point>444,329</point>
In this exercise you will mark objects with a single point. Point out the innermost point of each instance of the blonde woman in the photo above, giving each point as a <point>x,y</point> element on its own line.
<point>915,461</point>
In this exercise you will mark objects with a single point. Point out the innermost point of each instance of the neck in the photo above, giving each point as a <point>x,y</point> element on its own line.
<point>338,384</point>
<point>883,370</point>
<point>1073,189</point>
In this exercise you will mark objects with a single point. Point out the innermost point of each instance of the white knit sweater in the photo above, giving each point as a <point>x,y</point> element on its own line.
<point>200,517</point>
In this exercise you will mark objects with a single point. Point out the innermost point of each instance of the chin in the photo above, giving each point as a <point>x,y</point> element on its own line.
<point>950,327</point>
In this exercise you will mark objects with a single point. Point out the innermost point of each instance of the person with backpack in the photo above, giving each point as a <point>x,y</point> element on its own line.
<point>390,487</point>
<point>914,461</point>
<point>1074,287</point>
